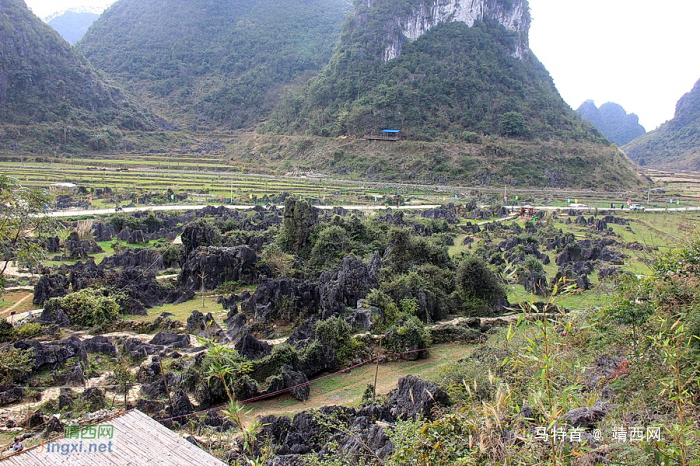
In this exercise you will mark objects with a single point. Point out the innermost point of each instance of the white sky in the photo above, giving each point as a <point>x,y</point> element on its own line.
<point>642,54</point>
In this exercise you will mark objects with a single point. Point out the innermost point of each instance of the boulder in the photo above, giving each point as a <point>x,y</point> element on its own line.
<point>36,419</point>
<point>138,349</point>
<point>103,232</point>
<point>54,425</point>
<point>65,398</point>
<point>10,393</point>
<point>588,418</point>
<point>53,244</point>
<point>137,237</point>
<point>205,326</point>
<point>415,397</point>
<point>181,406</point>
<point>94,398</point>
<point>50,286</point>
<point>297,380</point>
<point>370,437</point>
<point>236,325</point>
<point>250,347</point>
<point>100,344</point>
<point>54,315</point>
<point>171,339</point>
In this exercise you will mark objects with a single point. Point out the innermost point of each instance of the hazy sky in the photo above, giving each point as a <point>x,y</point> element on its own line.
<point>642,54</point>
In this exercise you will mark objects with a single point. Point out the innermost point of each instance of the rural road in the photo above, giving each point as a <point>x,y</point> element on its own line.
<point>72,213</point>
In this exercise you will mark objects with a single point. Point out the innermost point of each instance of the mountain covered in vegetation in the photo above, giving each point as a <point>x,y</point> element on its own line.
<point>613,121</point>
<point>432,68</point>
<point>72,24</point>
<point>214,64</point>
<point>48,87</point>
<point>676,143</point>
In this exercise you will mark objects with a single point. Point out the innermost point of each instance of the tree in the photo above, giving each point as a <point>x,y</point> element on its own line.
<point>124,379</point>
<point>23,224</point>
<point>512,124</point>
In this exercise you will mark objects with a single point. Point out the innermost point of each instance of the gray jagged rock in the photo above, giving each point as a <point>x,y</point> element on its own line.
<point>10,394</point>
<point>414,397</point>
<point>588,418</point>
<point>171,339</point>
<point>216,266</point>
<point>250,347</point>
<point>205,326</point>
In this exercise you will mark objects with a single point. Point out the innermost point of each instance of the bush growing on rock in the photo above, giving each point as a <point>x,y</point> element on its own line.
<point>335,332</point>
<point>408,334</point>
<point>87,308</point>
<point>15,363</point>
<point>330,247</point>
<point>478,288</point>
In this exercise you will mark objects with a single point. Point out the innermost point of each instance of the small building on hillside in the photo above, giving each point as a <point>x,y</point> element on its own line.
<point>387,135</point>
<point>132,438</point>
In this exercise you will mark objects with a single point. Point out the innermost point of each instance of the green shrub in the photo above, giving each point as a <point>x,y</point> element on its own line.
<point>28,330</point>
<point>408,334</point>
<point>335,332</point>
<point>88,308</point>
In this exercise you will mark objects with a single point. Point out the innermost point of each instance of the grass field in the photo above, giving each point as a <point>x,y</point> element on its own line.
<point>346,389</point>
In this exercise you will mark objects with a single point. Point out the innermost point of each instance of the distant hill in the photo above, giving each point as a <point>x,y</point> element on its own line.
<point>73,24</point>
<point>676,143</point>
<point>214,64</point>
<point>613,121</point>
<point>50,94</point>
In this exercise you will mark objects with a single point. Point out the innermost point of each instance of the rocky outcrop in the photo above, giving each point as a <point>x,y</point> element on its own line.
<point>205,326</point>
<point>54,353</point>
<point>144,258</point>
<point>350,283</point>
<point>282,297</point>
<point>213,266</point>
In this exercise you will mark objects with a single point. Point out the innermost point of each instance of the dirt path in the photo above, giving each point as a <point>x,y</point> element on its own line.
<point>15,305</point>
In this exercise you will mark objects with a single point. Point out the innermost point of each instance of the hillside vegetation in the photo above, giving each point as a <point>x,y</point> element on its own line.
<point>488,161</point>
<point>454,81</point>
<point>676,143</point>
<point>214,64</point>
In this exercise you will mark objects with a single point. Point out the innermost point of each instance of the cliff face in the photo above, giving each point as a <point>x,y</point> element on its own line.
<point>514,15</point>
